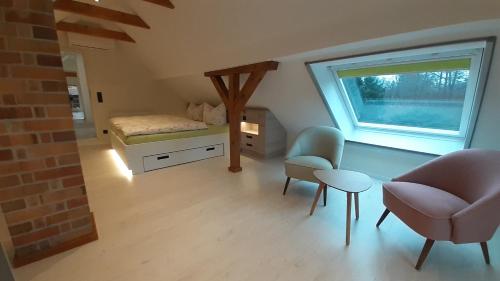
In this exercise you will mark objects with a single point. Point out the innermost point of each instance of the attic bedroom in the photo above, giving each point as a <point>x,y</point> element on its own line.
<point>249,140</point>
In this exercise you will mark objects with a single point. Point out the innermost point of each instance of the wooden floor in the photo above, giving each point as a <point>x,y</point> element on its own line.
<point>199,222</point>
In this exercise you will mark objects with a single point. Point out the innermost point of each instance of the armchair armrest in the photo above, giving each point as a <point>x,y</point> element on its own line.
<point>478,222</point>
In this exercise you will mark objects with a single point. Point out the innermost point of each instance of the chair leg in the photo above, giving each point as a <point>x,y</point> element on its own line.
<point>382,218</point>
<point>286,185</point>
<point>325,191</point>
<point>486,254</point>
<point>425,251</point>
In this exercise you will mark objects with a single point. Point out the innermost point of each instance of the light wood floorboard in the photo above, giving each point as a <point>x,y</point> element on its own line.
<point>199,222</point>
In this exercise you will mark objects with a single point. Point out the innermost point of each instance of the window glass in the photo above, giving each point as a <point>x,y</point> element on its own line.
<point>413,95</point>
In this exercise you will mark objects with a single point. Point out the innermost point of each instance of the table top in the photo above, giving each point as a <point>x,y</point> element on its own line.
<point>344,180</point>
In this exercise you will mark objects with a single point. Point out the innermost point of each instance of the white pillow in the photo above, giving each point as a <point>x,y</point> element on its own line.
<point>195,112</point>
<point>214,116</point>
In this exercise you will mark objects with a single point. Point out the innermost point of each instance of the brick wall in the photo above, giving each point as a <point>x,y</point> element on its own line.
<point>42,191</point>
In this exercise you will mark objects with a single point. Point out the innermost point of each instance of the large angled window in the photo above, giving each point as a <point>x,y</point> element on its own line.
<point>423,99</point>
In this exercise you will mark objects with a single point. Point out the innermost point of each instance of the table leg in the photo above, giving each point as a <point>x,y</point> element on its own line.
<point>316,198</point>
<point>348,220</point>
<point>356,204</point>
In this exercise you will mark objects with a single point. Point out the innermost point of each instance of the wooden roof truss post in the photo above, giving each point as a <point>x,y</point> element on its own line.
<point>235,98</point>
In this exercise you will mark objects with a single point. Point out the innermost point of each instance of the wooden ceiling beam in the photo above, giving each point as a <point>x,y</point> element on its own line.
<point>235,99</point>
<point>99,12</point>
<point>93,31</point>
<point>265,66</point>
<point>164,3</point>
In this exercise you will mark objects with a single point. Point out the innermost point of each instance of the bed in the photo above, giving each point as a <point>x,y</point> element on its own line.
<point>150,142</point>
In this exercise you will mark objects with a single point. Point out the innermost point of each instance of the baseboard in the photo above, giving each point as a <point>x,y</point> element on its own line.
<point>68,245</point>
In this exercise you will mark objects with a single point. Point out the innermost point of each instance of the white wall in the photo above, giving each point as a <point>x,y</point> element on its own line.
<point>291,95</point>
<point>127,86</point>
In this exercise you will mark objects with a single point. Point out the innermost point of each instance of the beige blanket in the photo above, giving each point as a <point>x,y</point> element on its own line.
<point>154,124</point>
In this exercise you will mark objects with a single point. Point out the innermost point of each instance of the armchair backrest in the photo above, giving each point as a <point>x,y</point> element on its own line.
<point>321,141</point>
<point>470,174</point>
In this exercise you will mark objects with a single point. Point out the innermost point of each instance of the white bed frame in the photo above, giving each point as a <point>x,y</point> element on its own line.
<point>145,157</point>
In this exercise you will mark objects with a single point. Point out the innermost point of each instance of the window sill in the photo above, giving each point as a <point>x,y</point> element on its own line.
<point>412,142</point>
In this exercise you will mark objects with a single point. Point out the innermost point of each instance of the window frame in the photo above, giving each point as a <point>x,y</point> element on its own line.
<point>478,74</point>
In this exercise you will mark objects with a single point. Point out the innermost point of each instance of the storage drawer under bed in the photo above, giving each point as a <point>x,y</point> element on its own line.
<point>163,160</point>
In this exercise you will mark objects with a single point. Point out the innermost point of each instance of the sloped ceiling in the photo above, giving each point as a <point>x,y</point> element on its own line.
<point>201,35</point>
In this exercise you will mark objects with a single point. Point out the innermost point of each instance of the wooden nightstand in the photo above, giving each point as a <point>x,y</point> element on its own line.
<point>261,133</point>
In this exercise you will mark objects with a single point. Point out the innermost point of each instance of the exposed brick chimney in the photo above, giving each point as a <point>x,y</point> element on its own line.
<point>42,191</point>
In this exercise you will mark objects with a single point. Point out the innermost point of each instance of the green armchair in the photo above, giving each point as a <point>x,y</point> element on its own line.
<point>316,148</point>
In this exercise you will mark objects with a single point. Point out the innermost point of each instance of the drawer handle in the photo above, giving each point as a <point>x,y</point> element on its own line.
<point>249,137</point>
<point>162,157</point>
<point>249,144</point>
<point>210,148</point>
<point>244,118</point>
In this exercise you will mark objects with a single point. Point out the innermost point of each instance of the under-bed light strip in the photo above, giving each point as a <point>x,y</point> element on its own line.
<point>121,165</point>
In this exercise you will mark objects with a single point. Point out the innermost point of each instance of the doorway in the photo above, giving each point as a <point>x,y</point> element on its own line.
<point>79,95</point>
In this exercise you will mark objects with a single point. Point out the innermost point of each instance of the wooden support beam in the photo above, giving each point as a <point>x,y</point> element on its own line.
<point>164,3</point>
<point>221,89</point>
<point>235,99</point>
<point>93,31</point>
<point>99,12</point>
<point>261,66</point>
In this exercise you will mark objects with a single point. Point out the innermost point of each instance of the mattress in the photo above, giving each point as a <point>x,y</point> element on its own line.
<point>154,124</point>
<point>138,139</point>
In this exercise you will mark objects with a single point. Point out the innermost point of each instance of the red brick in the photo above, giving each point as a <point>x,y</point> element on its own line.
<point>18,139</point>
<point>20,228</point>
<point>61,195</point>
<point>15,205</point>
<point>52,149</point>
<point>69,159</point>
<point>50,162</point>
<point>15,112</point>
<point>30,45</point>
<point>28,59</point>
<point>10,57</point>
<point>11,86</point>
<point>26,250</point>
<point>29,17</point>
<point>22,191</point>
<point>6,155</point>
<point>21,166</point>
<point>59,111</point>
<point>35,236</point>
<point>54,86</point>
<point>9,99</point>
<point>21,153</point>
<point>8,29</point>
<point>57,173</point>
<point>68,215</point>
<point>9,181</point>
<point>49,60</point>
<point>27,178</point>
<point>51,99</point>
<point>81,222</point>
<point>48,125</point>
<point>77,202</point>
<point>64,136</point>
<point>45,137</point>
<point>39,112</point>
<point>73,181</point>
<point>37,72</point>
<point>28,214</point>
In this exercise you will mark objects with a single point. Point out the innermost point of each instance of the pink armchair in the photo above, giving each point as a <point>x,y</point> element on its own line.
<point>454,198</point>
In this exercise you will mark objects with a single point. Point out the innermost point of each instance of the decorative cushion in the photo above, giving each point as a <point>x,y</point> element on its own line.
<point>426,209</point>
<point>195,112</point>
<point>302,167</point>
<point>214,116</point>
